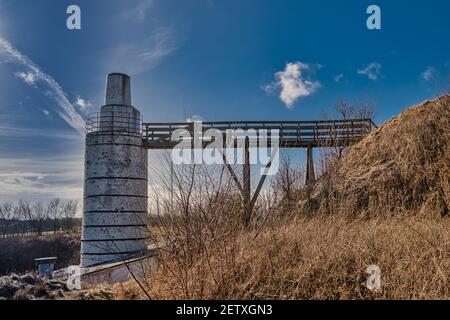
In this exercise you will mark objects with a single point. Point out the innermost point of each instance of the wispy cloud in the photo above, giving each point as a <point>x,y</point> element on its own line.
<point>293,83</point>
<point>41,179</point>
<point>429,74</point>
<point>140,56</point>
<point>83,104</point>
<point>32,75</point>
<point>139,12</point>
<point>338,77</point>
<point>371,71</point>
<point>16,132</point>
<point>28,77</point>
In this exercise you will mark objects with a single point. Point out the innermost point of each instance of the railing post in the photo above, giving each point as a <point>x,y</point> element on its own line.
<point>353,130</point>
<point>316,134</point>
<point>334,140</point>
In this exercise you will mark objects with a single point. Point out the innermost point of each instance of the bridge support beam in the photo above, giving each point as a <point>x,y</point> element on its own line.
<point>248,200</point>
<point>246,187</point>
<point>310,177</point>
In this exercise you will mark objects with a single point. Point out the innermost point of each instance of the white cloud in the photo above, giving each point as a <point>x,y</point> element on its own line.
<point>292,83</point>
<point>28,77</point>
<point>82,103</point>
<point>339,77</point>
<point>46,112</point>
<point>33,74</point>
<point>372,71</point>
<point>428,74</point>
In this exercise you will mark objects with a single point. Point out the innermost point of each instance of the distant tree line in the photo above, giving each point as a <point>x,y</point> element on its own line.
<point>24,218</point>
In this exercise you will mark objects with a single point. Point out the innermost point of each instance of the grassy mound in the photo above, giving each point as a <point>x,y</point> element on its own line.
<point>404,166</point>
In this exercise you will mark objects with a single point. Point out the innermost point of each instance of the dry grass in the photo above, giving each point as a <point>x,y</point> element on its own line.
<point>317,258</point>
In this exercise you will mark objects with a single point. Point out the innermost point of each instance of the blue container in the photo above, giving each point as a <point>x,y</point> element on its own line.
<point>45,267</point>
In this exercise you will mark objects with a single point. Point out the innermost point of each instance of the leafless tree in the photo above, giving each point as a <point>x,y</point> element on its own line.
<point>54,213</point>
<point>6,214</point>
<point>39,217</point>
<point>68,212</point>
<point>27,218</point>
<point>287,183</point>
<point>348,110</point>
<point>23,213</point>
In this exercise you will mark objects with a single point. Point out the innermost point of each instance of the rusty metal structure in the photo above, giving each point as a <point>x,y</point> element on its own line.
<point>116,173</point>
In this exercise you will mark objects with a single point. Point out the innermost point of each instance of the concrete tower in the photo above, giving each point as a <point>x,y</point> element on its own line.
<point>116,173</point>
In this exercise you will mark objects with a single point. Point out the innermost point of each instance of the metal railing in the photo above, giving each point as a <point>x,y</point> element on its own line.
<point>291,134</point>
<point>114,122</point>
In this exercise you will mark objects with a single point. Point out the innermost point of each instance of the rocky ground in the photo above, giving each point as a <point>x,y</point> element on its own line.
<point>29,287</point>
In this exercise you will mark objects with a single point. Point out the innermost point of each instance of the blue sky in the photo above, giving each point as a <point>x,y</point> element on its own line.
<point>219,60</point>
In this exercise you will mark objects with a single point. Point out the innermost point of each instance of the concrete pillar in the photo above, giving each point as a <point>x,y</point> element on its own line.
<point>310,177</point>
<point>116,173</point>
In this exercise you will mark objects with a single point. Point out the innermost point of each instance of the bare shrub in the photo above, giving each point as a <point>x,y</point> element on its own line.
<point>286,185</point>
<point>17,253</point>
<point>196,212</point>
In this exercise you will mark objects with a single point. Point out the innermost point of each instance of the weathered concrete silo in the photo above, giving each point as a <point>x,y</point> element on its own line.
<point>116,173</point>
